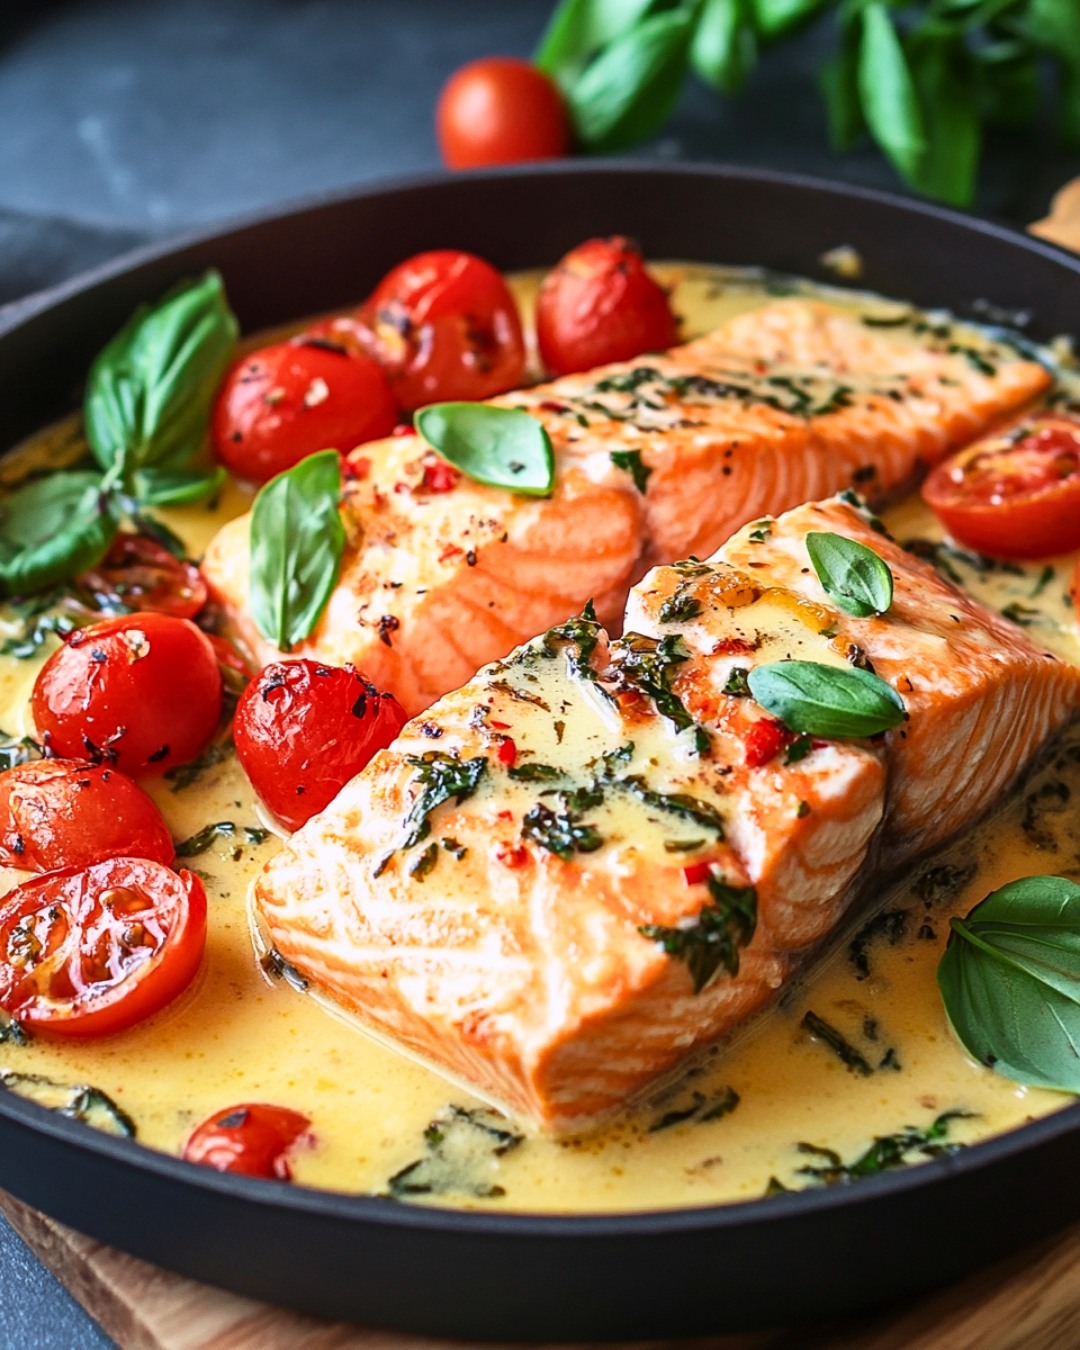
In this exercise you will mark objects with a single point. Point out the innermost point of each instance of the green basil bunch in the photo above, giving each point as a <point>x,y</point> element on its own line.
<point>146,410</point>
<point>921,77</point>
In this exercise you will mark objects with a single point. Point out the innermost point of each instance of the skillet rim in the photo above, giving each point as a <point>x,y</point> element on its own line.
<point>374,1211</point>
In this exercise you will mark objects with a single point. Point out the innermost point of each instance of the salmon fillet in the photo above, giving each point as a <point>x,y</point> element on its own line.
<point>656,459</point>
<point>579,866</point>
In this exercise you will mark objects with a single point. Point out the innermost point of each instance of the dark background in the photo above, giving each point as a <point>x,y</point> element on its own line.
<point>128,120</point>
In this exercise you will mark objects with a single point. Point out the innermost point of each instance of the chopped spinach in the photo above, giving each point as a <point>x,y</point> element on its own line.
<point>424,862</point>
<point>699,1109</point>
<point>440,776</point>
<point>736,684</point>
<point>649,665</point>
<point>714,939</point>
<point>890,926</point>
<point>79,1101</point>
<point>941,884</point>
<point>1050,799</point>
<point>630,462</point>
<point>220,829</point>
<point>536,773</point>
<point>185,775</point>
<point>674,803</point>
<point>578,637</point>
<point>461,1156</point>
<point>885,1153</point>
<point>275,965</point>
<point>561,833</point>
<point>18,751</point>
<point>12,1032</point>
<point>679,608</point>
<point>841,1047</point>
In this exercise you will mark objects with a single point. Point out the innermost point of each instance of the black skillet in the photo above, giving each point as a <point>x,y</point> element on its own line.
<point>789,1259</point>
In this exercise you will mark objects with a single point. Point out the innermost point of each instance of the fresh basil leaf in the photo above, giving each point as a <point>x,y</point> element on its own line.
<point>297,540</point>
<point>944,78</point>
<point>579,28</point>
<point>629,90</point>
<point>831,701</point>
<point>149,391</point>
<point>776,18</point>
<point>839,84</point>
<point>158,487</point>
<point>1010,981</point>
<point>1006,78</point>
<point>52,529</point>
<point>724,47</point>
<point>502,447</point>
<point>889,98</point>
<point>854,577</point>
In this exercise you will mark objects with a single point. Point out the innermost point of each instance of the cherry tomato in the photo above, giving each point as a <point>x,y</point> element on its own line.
<point>500,110</point>
<point>141,692</point>
<point>139,573</point>
<point>1016,494</point>
<point>444,326</point>
<point>1075,589</point>
<point>70,813</point>
<point>282,403</point>
<point>253,1139</point>
<point>599,305</point>
<point>303,730</point>
<point>90,951</point>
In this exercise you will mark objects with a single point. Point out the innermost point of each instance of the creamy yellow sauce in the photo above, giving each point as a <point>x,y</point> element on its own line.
<point>240,1034</point>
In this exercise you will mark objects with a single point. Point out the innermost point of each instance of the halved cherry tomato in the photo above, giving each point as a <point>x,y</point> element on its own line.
<point>303,730</point>
<point>282,403</point>
<point>252,1138</point>
<point>599,304</point>
<point>500,110</point>
<point>94,950</point>
<point>1016,494</point>
<point>70,813</point>
<point>139,573</point>
<point>141,692</point>
<point>444,326</point>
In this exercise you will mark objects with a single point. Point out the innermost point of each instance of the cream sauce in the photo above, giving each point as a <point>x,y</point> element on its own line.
<point>241,1034</point>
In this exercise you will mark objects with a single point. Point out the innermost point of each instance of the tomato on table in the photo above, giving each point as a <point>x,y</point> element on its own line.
<point>501,110</point>
<point>94,950</point>
<point>1015,494</point>
<point>252,1138</point>
<point>599,304</point>
<point>139,573</point>
<point>303,730</point>
<point>141,692</point>
<point>444,326</point>
<point>71,813</point>
<point>284,402</point>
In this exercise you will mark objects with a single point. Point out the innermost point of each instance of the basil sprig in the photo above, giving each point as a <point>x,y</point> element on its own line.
<point>146,412</point>
<point>297,540</point>
<point>831,701</point>
<point>854,577</point>
<point>501,447</point>
<point>921,78</point>
<point>1010,981</point>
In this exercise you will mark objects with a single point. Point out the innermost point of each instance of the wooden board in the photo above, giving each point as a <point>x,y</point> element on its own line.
<point>1031,1302</point>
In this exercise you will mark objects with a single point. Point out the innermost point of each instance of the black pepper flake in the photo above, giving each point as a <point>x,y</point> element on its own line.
<point>388,624</point>
<point>431,729</point>
<point>232,1120</point>
<point>470,557</point>
<point>158,755</point>
<point>98,656</point>
<point>359,708</point>
<point>18,844</point>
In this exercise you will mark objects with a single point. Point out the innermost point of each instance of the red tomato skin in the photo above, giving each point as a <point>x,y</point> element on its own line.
<point>1074,589</point>
<point>1015,494</point>
<point>284,402</point>
<point>84,1004</point>
<point>444,326</point>
<point>764,741</point>
<point>598,305</point>
<point>141,692</point>
<point>252,1138</point>
<point>58,813</point>
<point>500,110</point>
<point>304,729</point>
<point>139,573</point>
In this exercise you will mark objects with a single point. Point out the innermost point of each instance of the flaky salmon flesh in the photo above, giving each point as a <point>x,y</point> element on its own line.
<point>580,866</point>
<point>655,460</point>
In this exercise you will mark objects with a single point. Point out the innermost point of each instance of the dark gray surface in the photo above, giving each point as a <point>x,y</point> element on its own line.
<point>129,119</point>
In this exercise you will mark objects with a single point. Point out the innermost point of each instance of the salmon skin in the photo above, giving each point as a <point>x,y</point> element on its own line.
<point>656,459</point>
<point>598,855</point>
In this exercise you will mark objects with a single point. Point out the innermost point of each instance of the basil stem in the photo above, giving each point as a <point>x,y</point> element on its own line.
<point>1010,981</point>
<point>831,701</point>
<point>501,447</point>
<point>297,541</point>
<point>854,577</point>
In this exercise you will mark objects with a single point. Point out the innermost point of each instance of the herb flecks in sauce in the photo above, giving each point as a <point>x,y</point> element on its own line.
<point>713,940</point>
<point>462,1149</point>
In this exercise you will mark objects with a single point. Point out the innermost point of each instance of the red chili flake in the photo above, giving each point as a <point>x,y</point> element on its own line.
<point>504,815</point>
<point>500,726</point>
<point>359,467</point>
<point>450,553</point>
<point>402,487</point>
<point>696,873</point>
<point>507,752</point>
<point>440,477</point>
<point>512,855</point>
<point>764,741</point>
<point>816,743</point>
<point>733,646</point>
<point>550,405</point>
